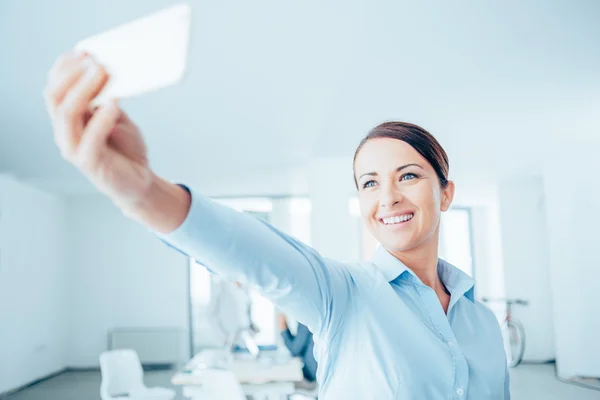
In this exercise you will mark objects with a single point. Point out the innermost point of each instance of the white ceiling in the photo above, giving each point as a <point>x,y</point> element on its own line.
<point>272,84</point>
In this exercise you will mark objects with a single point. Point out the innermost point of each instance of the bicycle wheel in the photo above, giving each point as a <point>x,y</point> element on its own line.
<point>514,338</point>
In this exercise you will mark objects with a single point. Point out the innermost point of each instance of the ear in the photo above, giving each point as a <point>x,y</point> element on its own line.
<point>447,196</point>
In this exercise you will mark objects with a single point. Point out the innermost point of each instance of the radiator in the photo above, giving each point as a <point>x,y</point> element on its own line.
<point>153,345</point>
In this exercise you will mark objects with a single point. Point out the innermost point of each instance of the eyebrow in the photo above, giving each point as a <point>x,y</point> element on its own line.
<point>397,170</point>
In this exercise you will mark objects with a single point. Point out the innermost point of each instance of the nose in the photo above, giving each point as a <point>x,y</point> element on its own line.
<point>390,196</point>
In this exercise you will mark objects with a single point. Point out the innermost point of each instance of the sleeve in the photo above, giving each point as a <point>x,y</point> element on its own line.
<point>239,247</point>
<point>295,344</point>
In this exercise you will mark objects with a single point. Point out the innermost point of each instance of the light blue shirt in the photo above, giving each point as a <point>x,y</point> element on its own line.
<point>379,332</point>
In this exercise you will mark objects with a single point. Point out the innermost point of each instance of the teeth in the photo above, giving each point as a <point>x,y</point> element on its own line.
<point>398,219</point>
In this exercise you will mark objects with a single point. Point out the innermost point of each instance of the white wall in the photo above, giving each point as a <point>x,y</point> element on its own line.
<point>33,285</point>
<point>120,276</point>
<point>572,191</point>
<point>526,264</point>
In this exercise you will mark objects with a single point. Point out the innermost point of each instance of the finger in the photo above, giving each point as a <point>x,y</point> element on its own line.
<point>65,59</point>
<point>62,61</point>
<point>95,137</point>
<point>61,82</point>
<point>70,113</point>
<point>125,119</point>
<point>126,140</point>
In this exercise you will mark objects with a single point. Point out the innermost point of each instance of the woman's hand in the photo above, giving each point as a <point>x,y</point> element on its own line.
<point>106,146</point>
<point>102,142</point>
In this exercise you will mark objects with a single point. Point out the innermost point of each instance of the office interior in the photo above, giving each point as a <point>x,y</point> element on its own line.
<point>274,100</point>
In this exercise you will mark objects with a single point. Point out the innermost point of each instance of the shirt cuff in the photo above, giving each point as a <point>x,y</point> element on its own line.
<point>180,234</point>
<point>183,238</point>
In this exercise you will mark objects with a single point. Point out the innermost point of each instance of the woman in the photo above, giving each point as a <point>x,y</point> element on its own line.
<point>404,326</point>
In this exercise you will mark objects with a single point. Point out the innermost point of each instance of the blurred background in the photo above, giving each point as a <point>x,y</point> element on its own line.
<point>275,99</point>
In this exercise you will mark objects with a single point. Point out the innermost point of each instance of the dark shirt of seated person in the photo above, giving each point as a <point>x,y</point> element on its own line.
<point>301,345</point>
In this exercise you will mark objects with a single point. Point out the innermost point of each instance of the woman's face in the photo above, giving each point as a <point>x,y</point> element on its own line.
<point>400,196</point>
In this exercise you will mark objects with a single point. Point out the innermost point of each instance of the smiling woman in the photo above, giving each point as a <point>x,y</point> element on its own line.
<point>401,173</point>
<point>403,326</point>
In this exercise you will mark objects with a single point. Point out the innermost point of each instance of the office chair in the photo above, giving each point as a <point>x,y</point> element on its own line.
<point>123,378</point>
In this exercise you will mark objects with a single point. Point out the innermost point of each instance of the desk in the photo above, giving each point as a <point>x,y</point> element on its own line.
<point>267,377</point>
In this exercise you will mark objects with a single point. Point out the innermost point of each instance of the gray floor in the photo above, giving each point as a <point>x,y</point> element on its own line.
<point>529,382</point>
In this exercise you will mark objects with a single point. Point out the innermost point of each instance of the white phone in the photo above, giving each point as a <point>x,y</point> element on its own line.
<point>143,55</point>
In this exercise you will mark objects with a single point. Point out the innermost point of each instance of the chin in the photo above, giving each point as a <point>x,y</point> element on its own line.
<point>398,245</point>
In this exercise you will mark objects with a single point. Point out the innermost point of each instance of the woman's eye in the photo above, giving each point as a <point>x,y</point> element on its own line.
<point>368,184</point>
<point>408,176</point>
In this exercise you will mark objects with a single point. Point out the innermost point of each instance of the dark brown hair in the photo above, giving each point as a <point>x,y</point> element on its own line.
<point>421,140</point>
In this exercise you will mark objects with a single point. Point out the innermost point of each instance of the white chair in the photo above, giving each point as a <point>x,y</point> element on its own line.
<point>123,378</point>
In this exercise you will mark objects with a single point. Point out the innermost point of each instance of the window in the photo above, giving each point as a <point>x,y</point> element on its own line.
<point>200,285</point>
<point>263,316</point>
<point>300,218</point>
<point>456,240</point>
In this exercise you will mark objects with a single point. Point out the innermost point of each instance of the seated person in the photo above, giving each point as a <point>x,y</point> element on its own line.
<point>301,345</point>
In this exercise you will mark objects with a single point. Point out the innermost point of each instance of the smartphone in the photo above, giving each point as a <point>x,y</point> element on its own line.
<point>143,55</point>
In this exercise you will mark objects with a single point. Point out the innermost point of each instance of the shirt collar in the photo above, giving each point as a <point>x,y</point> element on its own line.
<point>456,281</point>
<point>389,265</point>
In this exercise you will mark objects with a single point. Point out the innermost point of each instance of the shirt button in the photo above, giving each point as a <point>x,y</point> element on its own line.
<point>451,344</point>
<point>460,392</point>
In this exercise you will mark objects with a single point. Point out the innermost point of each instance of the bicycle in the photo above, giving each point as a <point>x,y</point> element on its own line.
<point>512,331</point>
